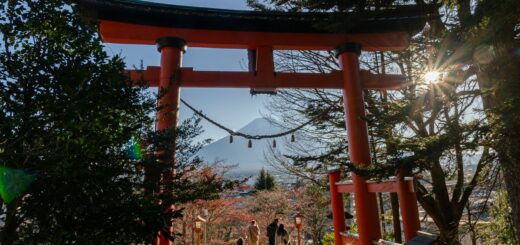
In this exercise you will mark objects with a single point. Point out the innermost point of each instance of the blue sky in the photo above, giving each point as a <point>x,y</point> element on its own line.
<point>233,107</point>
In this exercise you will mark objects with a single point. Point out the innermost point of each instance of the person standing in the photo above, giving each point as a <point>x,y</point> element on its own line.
<point>271,232</point>
<point>253,232</point>
<point>282,236</point>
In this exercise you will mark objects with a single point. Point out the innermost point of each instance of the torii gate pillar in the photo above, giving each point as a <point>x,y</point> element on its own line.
<point>171,49</point>
<point>336,200</point>
<point>359,152</point>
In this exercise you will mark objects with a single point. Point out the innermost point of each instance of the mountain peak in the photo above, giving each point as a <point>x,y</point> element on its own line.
<point>248,159</point>
<point>260,126</point>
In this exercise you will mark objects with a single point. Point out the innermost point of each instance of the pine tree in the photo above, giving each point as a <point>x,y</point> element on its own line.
<point>501,229</point>
<point>265,181</point>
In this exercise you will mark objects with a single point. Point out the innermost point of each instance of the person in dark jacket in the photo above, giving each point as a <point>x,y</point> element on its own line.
<point>282,236</point>
<point>240,241</point>
<point>271,231</point>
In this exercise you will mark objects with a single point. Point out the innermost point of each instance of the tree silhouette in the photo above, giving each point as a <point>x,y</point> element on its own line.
<point>265,181</point>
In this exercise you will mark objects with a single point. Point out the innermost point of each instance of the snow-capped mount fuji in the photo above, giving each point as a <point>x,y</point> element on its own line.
<point>249,160</point>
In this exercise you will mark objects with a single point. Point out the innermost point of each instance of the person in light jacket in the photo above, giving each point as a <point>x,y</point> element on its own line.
<point>253,232</point>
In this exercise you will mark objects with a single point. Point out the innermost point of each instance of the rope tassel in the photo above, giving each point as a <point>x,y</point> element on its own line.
<point>231,139</point>
<point>250,144</point>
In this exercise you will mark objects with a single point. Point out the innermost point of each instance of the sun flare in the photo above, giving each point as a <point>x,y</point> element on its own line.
<point>432,77</point>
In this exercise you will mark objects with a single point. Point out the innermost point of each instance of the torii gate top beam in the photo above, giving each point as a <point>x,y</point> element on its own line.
<point>141,22</point>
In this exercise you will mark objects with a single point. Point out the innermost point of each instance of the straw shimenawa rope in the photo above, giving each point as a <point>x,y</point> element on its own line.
<point>248,136</point>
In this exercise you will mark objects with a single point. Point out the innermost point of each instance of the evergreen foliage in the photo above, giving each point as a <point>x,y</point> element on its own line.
<point>502,229</point>
<point>265,181</point>
<point>328,239</point>
<point>66,116</point>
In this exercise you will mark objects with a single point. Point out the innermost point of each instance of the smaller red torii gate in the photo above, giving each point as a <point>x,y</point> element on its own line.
<point>401,185</point>
<point>172,28</point>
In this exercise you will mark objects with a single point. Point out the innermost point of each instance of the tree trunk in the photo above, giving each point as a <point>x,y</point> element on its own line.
<point>396,218</point>
<point>314,237</point>
<point>450,235</point>
<point>8,233</point>
<point>502,77</point>
<point>447,219</point>
<point>511,172</point>
<point>509,138</point>
<point>184,233</point>
<point>471,227</point>
<point>382,210</point>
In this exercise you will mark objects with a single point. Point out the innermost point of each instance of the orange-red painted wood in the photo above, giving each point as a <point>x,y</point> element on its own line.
<point>150,76</point>
<point>345,188</point>
<point>118,32</point>
<point>390,186</point>
<point>358,148</point>
<point>264,64</point>
<point>169,100</point>
<point>409,209</point>
<point>222,79</point>
<point>169,83</point>
<point>336,200</point>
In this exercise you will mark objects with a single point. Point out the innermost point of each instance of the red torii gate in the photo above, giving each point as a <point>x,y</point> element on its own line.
<point>172,28</point>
